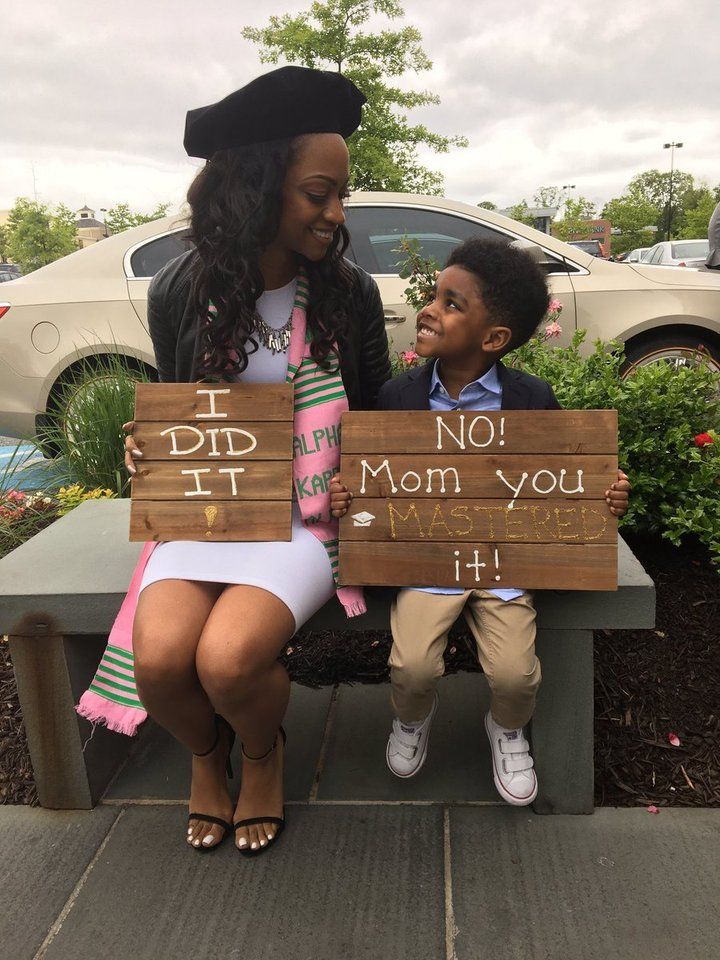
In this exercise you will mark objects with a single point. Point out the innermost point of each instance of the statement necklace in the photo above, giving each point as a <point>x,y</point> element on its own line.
<point>276,340</point>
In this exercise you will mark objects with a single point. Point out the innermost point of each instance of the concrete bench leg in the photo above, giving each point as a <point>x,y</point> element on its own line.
<point>562,727</point>
<point>49,684</point>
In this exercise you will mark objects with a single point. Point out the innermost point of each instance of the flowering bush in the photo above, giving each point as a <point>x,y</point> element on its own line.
<point>22,515</point>
<point>70,497</point>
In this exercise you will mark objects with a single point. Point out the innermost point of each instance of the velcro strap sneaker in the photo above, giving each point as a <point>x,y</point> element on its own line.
<point>408,743</point>
<point>513,771</point>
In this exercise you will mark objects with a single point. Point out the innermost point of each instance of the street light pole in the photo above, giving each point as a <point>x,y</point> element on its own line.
<point>671,148</point>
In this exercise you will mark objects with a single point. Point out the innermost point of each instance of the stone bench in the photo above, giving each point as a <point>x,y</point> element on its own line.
<point>60,592</point>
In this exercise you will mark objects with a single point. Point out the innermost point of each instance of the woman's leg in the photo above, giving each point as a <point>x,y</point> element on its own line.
<point>169,620</point>
<point>238,668</point>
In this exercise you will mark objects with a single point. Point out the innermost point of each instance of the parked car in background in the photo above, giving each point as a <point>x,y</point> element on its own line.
<point>678,253</point>
<point>9,271</point>
<point>593,247</point>
<point>638,255</point>
<point>93,302</point>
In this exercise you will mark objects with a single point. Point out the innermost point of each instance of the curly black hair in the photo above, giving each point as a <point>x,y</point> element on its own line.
<point>512,285</point>
<point>236,205</point>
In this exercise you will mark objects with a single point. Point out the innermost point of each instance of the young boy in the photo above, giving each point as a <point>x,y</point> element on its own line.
<point>488,300</point>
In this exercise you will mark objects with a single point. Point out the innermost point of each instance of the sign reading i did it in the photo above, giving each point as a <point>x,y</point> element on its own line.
<point>216,462</point>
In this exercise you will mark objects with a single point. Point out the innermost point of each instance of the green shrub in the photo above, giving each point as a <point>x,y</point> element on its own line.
<point>661,411</point>
<point>70,497</point>
<point>87,428</point>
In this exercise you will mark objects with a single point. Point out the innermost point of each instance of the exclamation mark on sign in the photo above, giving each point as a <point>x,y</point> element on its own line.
<point>497,565</point>
<point>211,516</point>
<point>502,430</point>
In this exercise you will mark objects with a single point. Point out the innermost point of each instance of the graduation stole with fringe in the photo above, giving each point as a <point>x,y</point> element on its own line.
<point>320,401</point>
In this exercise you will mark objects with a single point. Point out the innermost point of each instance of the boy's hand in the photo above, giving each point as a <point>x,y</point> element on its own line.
<point>340,497</point>
<point>618,495</point>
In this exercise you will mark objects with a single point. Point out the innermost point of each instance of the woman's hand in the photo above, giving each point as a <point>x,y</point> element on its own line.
<point>618,495</point>
<point>340,497</point>
<point>131,448</point>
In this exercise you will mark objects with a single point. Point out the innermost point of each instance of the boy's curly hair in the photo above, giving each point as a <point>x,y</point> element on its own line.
<point>512,285</point>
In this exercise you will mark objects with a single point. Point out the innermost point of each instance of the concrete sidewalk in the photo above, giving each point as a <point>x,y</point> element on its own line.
<point>370,867</point>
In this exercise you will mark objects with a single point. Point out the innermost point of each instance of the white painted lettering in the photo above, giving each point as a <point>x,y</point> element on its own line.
<point>232,471</point>
<point>406,488</point>
<point>212,433</point>
<point>460,441</point>
<point>442,471</point>
<point>198,491</point>
<point>176,452</point>
<point>229,431</point>
<point>211,397</point>
<point>491,431</point>
<point>552,476</point>
<point>373,473</point>
<point>578,489</point>
<point>515,490</point>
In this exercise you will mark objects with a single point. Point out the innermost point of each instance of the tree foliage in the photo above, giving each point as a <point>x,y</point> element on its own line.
<point>121,217</point>
<point>37,236</point>
<point>521,213</point>
<point>487,205</point>
<point>576,212</point>
<point>632,216</point>
<point>548,197</point>
<point>384,151</point>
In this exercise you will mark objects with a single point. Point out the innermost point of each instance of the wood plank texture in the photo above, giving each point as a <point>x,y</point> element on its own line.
<point>258,480</point>
<point>530,521</point>
<point>246,440</point>
<point>477,475</point>
<point>499,432</point>
<point>221,520</point>
<point>232,401</point>
<point>557,566</point>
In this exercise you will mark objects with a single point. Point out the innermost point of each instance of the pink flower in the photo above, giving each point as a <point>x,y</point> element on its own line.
<point>409,356</point>
<point>653,809</point>
<point>555,306</point>
<point>553,329</point>
<point>674,739</point>
<point>703,440</point>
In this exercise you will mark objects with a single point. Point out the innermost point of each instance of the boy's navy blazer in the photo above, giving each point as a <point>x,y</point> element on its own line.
<point>520,391</point>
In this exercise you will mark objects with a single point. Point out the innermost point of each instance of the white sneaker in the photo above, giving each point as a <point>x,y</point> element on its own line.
<point>408,743</point>
<point>512,764</point>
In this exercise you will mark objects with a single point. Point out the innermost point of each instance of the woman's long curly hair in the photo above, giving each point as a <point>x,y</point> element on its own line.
<point>236,204</point>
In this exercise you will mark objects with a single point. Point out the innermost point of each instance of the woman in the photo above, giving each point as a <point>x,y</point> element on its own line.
<point>267,221</point>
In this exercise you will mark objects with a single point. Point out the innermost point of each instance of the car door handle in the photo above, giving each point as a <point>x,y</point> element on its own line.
<point>394,318</point>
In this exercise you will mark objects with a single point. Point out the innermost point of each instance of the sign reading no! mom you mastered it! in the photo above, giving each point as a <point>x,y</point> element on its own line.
<point>480,500</point>
<point>216,462</point>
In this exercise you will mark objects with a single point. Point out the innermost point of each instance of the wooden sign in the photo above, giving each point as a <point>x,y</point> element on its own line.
<point>480,499</point>
<point>216,462</point>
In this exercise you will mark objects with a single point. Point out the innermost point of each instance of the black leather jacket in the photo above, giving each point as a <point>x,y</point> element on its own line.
<point>364,364</point>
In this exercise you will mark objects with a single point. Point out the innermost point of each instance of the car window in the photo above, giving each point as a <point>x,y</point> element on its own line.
<point>655,254</point>
<point>151,256</point>
<point>695,248</point>
<point>376,233</point>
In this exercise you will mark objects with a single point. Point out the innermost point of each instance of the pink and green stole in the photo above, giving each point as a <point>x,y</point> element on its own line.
<point>320,401</point>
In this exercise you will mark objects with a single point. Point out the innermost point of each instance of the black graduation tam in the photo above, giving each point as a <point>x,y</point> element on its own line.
<point>281,104</point>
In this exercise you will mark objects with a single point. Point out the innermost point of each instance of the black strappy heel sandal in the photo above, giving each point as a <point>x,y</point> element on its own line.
<point>204,817</point>
<point>278,821</point>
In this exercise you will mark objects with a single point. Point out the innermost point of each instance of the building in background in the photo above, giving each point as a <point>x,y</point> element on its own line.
<point>542,216</point>
<point>599,230</point>
<point>89,230</point>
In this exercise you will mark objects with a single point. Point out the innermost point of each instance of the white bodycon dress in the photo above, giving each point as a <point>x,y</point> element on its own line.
<point>298,572</point>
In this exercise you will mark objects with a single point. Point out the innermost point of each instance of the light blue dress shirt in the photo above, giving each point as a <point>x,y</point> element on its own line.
<point>485,393</point>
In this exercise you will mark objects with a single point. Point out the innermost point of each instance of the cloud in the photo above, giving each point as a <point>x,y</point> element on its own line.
<point>552,92</point>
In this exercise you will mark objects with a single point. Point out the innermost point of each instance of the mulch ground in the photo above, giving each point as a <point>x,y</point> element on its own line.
<point>649,684</point>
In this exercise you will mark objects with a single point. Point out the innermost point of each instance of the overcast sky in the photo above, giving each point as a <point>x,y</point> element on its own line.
<point>94,94</point>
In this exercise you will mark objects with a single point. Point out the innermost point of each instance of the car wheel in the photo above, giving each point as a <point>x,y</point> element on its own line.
<point>681,349</point>
<point>74,388</point>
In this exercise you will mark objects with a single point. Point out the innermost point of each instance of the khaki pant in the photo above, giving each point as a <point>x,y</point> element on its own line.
<point>504,631</point>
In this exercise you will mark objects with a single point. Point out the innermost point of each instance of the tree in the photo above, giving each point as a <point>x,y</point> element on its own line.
<point>653,186</point>
<point>521,213</point>
<point>697,214</point>
<point>548,197</point>
<point>578,210</point>
<point>487,205</point>
<point>121,217</point>
<point>632,216</point>
<point>4,242</point>
<point>384,151</point>
<point>38,236</point>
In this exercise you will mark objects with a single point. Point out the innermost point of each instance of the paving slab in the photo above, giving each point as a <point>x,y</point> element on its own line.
<point>159,767</point>
<point>361,883</point>
<point>458,766</point>
<point>621,885</point>
<point>44,854</point>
